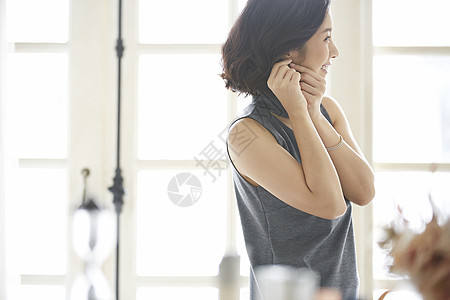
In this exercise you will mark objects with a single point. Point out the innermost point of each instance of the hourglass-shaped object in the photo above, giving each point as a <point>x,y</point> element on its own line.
<point>93,233</point>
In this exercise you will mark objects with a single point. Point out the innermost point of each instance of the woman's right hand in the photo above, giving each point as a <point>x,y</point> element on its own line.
<point>284,82</point>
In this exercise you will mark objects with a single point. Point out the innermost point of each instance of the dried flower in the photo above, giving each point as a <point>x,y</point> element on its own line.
<point>424,257</point>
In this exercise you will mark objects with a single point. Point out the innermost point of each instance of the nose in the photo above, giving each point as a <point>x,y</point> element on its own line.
<point>334,52</point>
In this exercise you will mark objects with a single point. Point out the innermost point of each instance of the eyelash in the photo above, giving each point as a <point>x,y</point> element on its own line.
<point>328,37</point>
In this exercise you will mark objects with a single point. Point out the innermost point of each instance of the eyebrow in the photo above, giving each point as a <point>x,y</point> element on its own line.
<point>327,30</point>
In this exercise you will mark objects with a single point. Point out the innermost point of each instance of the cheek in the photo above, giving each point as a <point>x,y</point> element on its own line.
<point>322,55</point>
<point>314,57</point>
<point>317,58</point>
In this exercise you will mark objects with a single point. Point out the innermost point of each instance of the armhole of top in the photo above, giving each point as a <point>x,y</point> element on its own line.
<point>228,152</point>
<point>326,114</point>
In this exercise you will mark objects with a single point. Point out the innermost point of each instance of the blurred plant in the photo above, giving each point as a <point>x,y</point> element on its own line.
<point>424,257</point>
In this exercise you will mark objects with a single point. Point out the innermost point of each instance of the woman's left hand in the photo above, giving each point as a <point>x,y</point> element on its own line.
<point>313,87</point>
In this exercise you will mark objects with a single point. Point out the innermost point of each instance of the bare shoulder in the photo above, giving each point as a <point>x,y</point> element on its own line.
<point>333,108</point>
<point>246,140</point>
<point>328,100</point>
<point>243,133</point>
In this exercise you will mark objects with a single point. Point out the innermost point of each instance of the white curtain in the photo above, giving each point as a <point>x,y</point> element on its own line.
<point>3,53</point>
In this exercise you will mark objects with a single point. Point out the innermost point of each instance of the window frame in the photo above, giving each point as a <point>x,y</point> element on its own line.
<point>133,49</point>
<point>60,164</point>
<point>3,60</point>
<point>79,91</point>
<point>102,159</point>
<point>371,52</point>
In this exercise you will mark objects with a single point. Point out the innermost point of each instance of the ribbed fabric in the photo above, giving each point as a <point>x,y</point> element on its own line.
<point>277,233</point>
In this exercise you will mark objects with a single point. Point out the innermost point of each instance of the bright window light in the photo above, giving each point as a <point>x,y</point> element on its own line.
<point>182,105</point>
<point>38,230</point>
<point>173,240</point>
<point>411,23</point>
<point>411,107</point>
<point>165,293</point>
<point>183,22</point>
<point>43,21</point>
<point>37,102</point>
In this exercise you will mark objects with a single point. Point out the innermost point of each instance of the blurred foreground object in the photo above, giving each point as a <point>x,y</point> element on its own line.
<point>423,257</point>
<point>229,277</point>
<point>328,294</point>
<point>93,233</point>
<point>278,282</point>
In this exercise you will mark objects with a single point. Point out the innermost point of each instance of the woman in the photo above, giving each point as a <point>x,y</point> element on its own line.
<point>296,164</point>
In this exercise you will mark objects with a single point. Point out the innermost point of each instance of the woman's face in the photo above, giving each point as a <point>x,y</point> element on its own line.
<point>318,51</point>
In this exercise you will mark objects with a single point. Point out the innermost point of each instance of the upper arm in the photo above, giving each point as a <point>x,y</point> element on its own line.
<point>268,164</point>
<point>357,179</point>
<point>340,123</point>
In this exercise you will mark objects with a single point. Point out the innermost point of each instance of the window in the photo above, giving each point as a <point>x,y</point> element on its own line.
<point>37,124</point>
<point>182,111</point>
<point>61,118</point>
<point>411,113</point>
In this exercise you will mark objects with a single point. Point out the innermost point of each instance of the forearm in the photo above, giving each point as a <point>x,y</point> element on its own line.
<point>320,174</point>
<point>355,174</point>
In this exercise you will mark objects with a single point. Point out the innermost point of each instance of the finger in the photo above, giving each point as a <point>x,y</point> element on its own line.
<point>277,75</point>
<point>282,62</point>
<point>303,69</point>
<point>310,76</point>
<point>310,89</point>
<point>308,79</point>
<point>290,73</point>
<point>313,80</point>
<point>283,75</point>
<point>296,77</point>
<point>307,95</point>
<point>279,80</point>
<point>280,66</point>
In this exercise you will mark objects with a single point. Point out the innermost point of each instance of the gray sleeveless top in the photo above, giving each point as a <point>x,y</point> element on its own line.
<point>277,233</point>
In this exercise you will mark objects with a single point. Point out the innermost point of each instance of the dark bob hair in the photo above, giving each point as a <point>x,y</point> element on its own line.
<point>264,32</point>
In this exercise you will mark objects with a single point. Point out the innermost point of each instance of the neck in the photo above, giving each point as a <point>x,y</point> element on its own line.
<point>270,102</point>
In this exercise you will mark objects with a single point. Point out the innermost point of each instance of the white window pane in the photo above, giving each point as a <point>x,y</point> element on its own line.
<point>37,104</point>
<point>411,23</point>
<point>409,191</point>
<point>411,108</point>
<point>245,293</point>
<point>171,293</point>
<point>242,103</point>
<point>36,292</point>
<point>44,21</point>
<point>182,105</point>
<point>241,4</point>
<point>37,222</point>
<point>183,22</point>
<point>180,241</point>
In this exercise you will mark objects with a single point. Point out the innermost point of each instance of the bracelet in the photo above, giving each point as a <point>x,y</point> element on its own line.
<point>338,144</point>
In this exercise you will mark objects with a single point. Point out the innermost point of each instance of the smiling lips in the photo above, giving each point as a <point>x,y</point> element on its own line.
<point>325,68</point>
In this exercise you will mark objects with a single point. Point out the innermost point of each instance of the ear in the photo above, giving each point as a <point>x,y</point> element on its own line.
<point>288,55</point>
